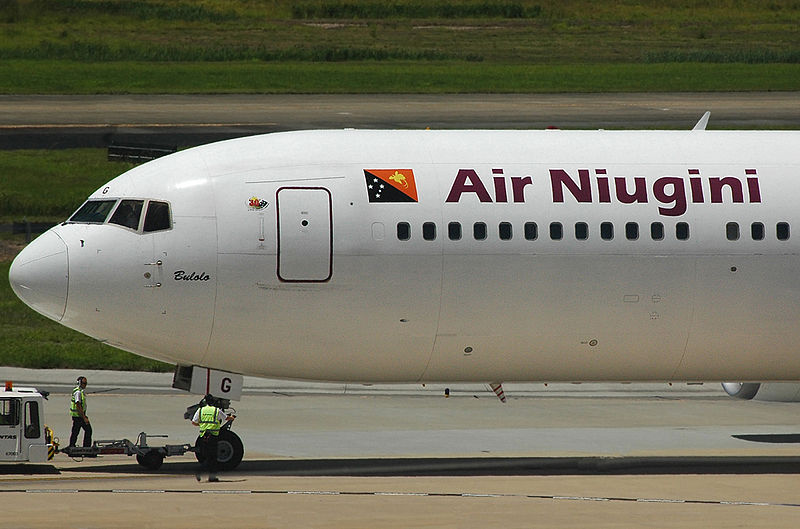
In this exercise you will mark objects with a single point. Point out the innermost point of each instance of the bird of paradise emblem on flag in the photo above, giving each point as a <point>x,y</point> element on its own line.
<point>391,185</point>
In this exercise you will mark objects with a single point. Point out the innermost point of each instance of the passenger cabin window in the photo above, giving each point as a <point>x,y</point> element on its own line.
<point>632,231</point>
<point>479,231</point>
<point>504,231</point>
<point>732,231</point>
<point>158,217</point>
<point>556,231</point>
<point>93,212</point>
<point>128,214</point>
<point>682,231</point>
<point>581,231</point>
<point>606,231</point>
<point>782,231</point>
<point>657,231</point>
<point>403,231</point>
<point>429,231</point>
<point>531,231</point>
<point>454,231</point>
<point>757,231</point>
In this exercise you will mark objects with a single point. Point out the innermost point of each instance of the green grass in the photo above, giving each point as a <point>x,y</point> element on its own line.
<point>50,185</point>
<point>393,77</point>
<point>30,340</point>
<point>357,46</point>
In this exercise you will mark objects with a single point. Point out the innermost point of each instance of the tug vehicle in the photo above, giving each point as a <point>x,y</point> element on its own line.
<point>23,434</point>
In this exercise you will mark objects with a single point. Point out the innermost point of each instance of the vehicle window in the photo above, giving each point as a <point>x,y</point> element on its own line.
<point>403,231</point>
<point>454,231</point>
<point>158,217</point>
<point>504,231</point>
<point>32,428</point>
<point>9,412</point>
<point>93,211</point>
<point>128,213</point>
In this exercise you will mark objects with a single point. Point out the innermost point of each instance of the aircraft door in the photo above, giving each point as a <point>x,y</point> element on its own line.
<point>305,234</point>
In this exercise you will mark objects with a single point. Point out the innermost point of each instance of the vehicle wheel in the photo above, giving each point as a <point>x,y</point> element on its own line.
<point>230,450</point>
<point>152,460</point>
<point>198,453</point>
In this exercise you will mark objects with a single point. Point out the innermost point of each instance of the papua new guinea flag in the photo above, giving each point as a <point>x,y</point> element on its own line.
<point>391,185</point>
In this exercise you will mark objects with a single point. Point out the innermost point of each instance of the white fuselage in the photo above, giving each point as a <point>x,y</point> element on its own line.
<point>278,263</point>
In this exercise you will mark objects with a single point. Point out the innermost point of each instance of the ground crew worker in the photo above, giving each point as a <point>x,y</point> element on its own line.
<point>77,408</point>
<point>210,419</point>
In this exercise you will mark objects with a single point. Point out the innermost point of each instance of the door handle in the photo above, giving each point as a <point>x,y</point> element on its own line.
<point>157,263</point>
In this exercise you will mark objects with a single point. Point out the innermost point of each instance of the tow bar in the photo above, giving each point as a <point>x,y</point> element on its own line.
<point>150,457</point>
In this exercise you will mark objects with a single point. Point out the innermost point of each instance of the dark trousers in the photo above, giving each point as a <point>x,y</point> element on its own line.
<point>77,424</point>
<point>208,446</point>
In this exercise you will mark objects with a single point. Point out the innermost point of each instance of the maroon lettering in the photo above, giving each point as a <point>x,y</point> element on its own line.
<point>639,192</point>
<point>560,178</point>
<point>518,184</point>
<point>734,184</point>
<point>677,197</point>
<point>460,186</point>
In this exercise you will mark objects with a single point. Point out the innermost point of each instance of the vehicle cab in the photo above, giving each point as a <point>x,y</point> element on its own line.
<point>23,435</point>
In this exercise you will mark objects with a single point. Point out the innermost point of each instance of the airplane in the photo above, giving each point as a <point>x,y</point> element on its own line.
<point>443,256</point>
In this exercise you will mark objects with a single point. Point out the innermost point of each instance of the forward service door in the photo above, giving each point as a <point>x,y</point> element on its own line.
<point>305,234</point>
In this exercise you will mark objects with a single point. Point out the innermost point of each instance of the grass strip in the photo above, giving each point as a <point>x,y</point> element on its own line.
<point>50,185</point>
<point>55,77</point>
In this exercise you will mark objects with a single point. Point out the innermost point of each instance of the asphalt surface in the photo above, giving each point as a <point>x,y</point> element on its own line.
<point>185,120</point>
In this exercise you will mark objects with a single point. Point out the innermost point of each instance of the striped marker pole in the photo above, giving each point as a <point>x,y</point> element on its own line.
<point>497,387</point>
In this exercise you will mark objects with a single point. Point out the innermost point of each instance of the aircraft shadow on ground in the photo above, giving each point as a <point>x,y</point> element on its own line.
<point>480,466</point>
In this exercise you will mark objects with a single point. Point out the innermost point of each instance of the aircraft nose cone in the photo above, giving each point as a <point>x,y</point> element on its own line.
<point>39,275</point>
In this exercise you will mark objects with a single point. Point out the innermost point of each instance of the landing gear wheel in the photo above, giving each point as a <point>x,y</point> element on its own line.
<point>152,460</point>
<point>230,450</point>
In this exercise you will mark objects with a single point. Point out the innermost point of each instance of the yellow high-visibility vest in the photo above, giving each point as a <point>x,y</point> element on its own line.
<point>73,404</point>
<point>209,420</point>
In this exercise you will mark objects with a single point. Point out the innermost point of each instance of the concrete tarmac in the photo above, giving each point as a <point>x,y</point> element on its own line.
<point>381,456</point>
<point>184,120</point>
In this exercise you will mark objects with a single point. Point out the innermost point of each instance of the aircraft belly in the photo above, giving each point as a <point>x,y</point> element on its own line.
<point>374,320</point>
<point>549,318</point>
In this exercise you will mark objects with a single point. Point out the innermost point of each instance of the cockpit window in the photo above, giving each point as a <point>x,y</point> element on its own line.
<point>93,211</point>
<point>158,217</point>
<point>128,214</point>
